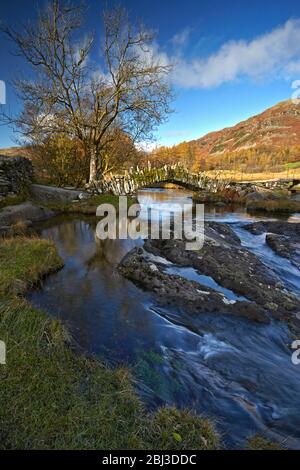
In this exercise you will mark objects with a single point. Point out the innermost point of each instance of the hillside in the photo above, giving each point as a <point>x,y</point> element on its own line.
<point>14,152</point>
<point>278,127</point>
<point>269,139</point>
<point>268,142</point>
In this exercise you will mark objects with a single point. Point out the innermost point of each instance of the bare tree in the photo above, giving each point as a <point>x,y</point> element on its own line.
<point>128,90</point>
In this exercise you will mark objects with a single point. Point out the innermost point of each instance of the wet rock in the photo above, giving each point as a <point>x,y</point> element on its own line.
<point>261,196</point>
<point>187,296</point>
<point>222,233</point>
<point>280,227</point>
<point>54,194</point>
<point>295,188</point>
<point>83,196</point>
<point>234,268</point>
<point>283,237</point>
<point>26,212</point>
<point>281,245</point>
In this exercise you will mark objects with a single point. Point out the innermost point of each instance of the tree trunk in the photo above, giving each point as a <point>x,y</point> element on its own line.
<point>93,165</point>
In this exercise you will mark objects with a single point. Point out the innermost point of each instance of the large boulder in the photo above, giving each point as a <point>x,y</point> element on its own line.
<point>261,195</point>
<point>22,213</point>
<point>281,227</point>
<point>53,194</point>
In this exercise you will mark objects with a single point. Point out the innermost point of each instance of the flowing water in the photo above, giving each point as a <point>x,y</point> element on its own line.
<point>236,372</point>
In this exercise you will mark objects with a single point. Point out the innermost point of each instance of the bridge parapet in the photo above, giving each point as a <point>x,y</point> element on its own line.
<point>138,178</point>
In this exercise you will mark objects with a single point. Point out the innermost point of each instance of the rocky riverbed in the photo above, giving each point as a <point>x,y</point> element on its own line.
<point>223,259</point>
<point>282,237</point>
<point>192,340</point>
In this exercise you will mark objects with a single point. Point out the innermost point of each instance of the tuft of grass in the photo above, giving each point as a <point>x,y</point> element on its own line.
<point>14,200</point>
<point>181,430</point>
<point>259,442</point>
<point>55,399</point>
<point>20,229</point>
<point>24,261</point>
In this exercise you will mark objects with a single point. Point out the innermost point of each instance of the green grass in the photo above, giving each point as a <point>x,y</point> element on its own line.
<point>86,207</point>
<point>259,442</point>
<point>24,261</point>
<point>56,400</point>
<point>179,430</point>
<point>52,398</point>
<point>291,166</point>
<point>13,200</point>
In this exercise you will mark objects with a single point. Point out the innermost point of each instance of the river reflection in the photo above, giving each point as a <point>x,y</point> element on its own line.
<point>236,372</point>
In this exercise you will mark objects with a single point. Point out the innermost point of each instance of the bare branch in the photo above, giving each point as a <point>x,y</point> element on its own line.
<point>129,92</point>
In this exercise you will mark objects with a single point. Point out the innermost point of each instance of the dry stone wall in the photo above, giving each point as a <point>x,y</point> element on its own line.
<point>15,174</point>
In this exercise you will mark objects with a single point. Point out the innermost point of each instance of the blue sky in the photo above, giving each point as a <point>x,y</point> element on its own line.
<point>233,59</point>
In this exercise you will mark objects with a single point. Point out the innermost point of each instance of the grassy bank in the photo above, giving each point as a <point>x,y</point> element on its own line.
<point>13,200</point>
<point>52,398</point>
<point>85,207</point>
<point>25,261</point>
<point>282,205</point>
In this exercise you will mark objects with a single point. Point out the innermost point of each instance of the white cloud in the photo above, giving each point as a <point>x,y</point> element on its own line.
<point>180,39</point>
<point>274,54</point>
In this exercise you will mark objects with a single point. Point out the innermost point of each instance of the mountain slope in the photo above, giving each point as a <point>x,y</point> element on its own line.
<point>269,140</point>
<point>277,127</point>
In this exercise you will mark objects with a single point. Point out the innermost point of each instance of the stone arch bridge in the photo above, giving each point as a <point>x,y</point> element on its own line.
<point>137,178</point>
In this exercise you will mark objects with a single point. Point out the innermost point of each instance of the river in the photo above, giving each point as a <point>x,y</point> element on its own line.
<point>236,372</point>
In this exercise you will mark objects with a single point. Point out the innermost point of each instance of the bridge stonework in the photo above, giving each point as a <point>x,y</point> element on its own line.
<point>137,178</point>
